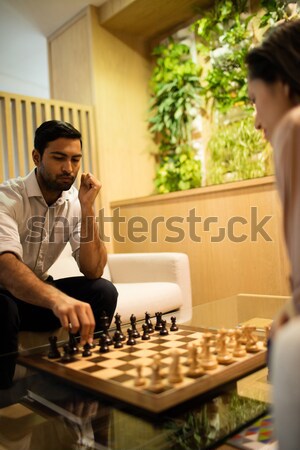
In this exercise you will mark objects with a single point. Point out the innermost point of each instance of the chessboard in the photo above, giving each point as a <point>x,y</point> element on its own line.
<point>160,369</point>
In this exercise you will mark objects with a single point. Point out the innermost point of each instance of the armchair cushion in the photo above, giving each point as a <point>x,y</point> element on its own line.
<point>137,298</point>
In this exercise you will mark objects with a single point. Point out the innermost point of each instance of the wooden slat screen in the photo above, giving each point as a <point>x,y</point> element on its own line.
<point>21,115</point>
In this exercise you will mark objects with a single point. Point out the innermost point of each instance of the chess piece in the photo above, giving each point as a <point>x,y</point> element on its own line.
<point>117,339</point>
<point>66,357</point>
<point>231,336</point>
<point>251,343</point>
<point>188,360</point>
<point>158,325</point>
<point>104,324</point>
<point>243,338</point>
<point>239,350</point>
<point>208,360</point>
<point>146,335</point>
<point>103,343</point>
<point>86,350</point>
<point>175,376</point>
<point>164,331</point>
<point>194,370</point>
<point>53,352</point>
<point>140,380</point>
<point>156,381</point>
<point>118,323</point>
<point>73,344</point>
<point>135,333</point>
<point>223,355</point>
<point>149,323</point>
<point>130,340</point>
<point>174,326</point>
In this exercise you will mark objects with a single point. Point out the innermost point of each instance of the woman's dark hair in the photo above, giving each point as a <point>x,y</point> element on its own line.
<point>52,130</point>
<point>278,57</point>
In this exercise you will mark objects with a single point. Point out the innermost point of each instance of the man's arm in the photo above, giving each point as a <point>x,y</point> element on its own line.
<point>92,253</point>
<point>23,284</point>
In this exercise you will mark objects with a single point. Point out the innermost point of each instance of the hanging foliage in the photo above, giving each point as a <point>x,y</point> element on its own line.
<point>175,102</point>
<point>181,90</point>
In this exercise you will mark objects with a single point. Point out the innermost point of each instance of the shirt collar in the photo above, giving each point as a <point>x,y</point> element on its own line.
<point>33,189</point>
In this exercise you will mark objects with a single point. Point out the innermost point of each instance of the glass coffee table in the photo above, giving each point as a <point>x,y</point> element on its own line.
<point>45,411</point>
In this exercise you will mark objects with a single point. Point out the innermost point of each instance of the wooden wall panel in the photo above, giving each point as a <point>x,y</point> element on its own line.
<point>69,60</point>
<point>219,269</point>
<point>121,78</point>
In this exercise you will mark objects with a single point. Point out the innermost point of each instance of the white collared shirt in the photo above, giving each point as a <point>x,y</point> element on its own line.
<point>34,231</point>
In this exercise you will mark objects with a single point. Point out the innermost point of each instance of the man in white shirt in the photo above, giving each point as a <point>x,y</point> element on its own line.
<point>39,214</point>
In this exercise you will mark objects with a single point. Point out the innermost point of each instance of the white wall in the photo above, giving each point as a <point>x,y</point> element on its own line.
<point>23,55</point>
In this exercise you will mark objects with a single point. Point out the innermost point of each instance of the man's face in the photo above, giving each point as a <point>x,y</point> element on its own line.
<point>58,167</point>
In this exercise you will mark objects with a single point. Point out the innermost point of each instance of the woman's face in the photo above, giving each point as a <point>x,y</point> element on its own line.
<point>271,102</point>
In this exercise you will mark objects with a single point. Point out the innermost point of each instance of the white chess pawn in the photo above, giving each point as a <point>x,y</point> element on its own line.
<point>208,360</point>
<point>156,384</point>
<point>140,380</point>
<point>194,370</point>
<point>175,375</point>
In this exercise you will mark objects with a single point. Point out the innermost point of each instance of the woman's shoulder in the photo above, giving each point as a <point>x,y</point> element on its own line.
<point>289,123</point>
<point>293,116</point>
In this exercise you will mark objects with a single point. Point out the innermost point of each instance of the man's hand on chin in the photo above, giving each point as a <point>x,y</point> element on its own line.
<point>88,190</point>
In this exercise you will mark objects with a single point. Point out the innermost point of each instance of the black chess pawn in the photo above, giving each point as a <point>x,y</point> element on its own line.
<point>145,335</point>
<point>130,340</point>
<point>158,325</point>
<point>103,343</point>
<point>149,323</point>
<point>86,350</point>
<point>109,340</point>
<point>174,326</point>
<point>135,333</point>
<point>53,351</point>
<point>117,339</point>
<point>164,331</point>
<point>67,356</point>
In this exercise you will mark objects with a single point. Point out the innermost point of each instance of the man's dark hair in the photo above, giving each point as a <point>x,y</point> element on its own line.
<point>52,130</point>
<point>278,57</point>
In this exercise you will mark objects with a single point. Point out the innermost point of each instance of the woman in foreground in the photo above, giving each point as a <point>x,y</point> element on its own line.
<point>274,89</point>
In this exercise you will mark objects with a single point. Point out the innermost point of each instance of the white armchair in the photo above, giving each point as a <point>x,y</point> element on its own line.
<point>145,281</point>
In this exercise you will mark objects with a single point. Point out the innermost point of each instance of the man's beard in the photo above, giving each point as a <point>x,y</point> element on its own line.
<point>65,182</point>
<point>60,183</point>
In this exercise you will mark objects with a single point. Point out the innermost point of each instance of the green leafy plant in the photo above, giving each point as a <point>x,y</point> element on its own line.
<point>237,151</point>
<point>180,90</point>
<point>175,102</point>
<point>224,38</point>
<point>178,172</point>
<point>277,10</point>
